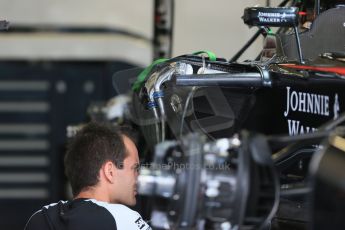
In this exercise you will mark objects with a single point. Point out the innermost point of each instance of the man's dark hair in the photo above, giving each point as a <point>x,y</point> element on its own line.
<point>88,150</point>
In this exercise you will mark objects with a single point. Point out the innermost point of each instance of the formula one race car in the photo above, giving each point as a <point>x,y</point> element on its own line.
<point>199,110</point>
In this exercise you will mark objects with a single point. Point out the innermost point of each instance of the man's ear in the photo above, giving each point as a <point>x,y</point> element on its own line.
<point>109,171</point>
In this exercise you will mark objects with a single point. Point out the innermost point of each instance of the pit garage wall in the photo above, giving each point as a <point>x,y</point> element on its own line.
<point>37,101</point>
<point>199,24</point>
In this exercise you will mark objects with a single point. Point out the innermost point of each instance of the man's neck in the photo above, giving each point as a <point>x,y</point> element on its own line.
<point>93,194</point>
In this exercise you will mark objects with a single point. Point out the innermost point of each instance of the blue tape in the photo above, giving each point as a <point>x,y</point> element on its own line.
<point>151,104</point>
<point>158,94</point>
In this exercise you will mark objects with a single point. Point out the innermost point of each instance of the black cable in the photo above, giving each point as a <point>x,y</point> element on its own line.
<point>277,192</point>
<point>299,49</point>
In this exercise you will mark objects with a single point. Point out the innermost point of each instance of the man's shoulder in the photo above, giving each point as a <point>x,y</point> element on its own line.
<point>49,206</point>
<point>125,217</point>
<point>38,218</point>
<point>116,207</point>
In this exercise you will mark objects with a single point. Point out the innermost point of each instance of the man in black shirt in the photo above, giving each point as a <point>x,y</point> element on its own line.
<point>102,165</point>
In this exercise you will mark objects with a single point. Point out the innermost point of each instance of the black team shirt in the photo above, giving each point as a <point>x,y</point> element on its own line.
<point>86,214</point>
